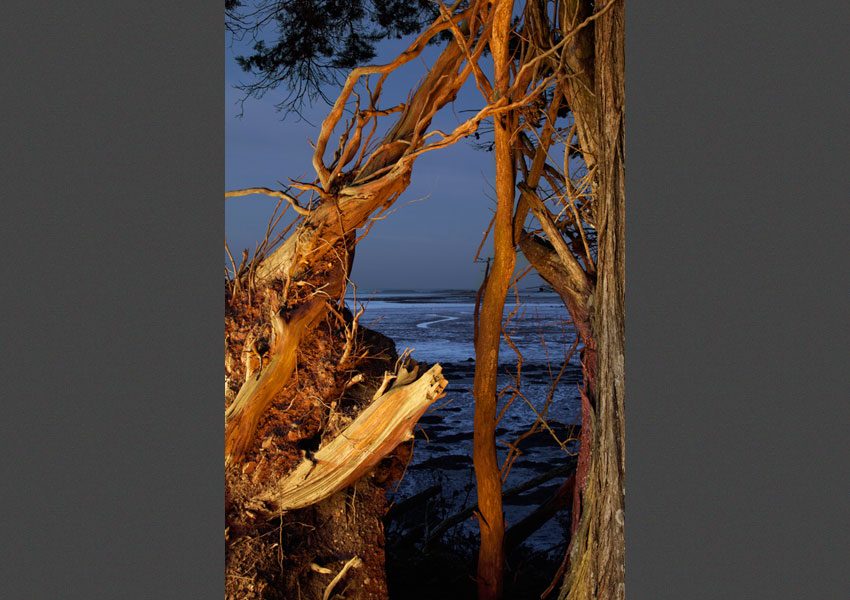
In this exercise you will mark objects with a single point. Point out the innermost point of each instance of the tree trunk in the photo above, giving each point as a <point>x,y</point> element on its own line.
<point>491,517</point>
<point>597,553</point>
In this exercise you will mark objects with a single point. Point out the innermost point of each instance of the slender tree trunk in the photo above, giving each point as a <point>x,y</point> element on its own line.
<point>491,516</point>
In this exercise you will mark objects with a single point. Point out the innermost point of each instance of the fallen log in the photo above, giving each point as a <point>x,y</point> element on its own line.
<point>466,513</point>
<point>400,509</point>
<point>519,532</point>
<point>383,425</point>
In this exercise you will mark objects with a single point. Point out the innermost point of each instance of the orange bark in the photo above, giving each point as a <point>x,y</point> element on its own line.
<point>491,517</point>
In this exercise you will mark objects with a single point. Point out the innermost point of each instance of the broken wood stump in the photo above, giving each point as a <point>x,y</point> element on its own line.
<point>383,425</point>
<point>257,393</point>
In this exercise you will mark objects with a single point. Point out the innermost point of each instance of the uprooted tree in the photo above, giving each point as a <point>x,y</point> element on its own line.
<point>551,78</point>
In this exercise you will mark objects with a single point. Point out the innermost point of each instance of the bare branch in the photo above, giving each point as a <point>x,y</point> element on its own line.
<point>269,192</point>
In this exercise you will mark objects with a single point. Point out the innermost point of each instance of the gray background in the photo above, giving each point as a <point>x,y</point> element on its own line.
<point>112,128</point>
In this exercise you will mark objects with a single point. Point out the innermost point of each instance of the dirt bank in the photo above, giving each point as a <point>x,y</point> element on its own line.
<point>298,554</point>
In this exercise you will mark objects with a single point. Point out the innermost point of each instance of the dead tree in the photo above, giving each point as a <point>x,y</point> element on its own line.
<point>360,180</point>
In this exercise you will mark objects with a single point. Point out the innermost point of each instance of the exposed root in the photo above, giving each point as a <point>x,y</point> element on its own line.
<point>354,562</point>
<point>257,393</point>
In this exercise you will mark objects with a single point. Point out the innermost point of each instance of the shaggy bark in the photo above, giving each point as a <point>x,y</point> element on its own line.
<point>597,555</point>
<point>592,83</point>
<point>579,83</point>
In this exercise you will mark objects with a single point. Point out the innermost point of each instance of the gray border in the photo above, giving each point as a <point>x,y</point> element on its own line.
<point>736,332</point>
<point>111,233</point>
<point>737,290</point>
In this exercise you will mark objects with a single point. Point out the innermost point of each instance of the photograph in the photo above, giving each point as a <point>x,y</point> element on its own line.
<point>424,299</point>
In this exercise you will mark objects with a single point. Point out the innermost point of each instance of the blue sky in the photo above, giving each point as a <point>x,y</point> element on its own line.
<point>428,242</point>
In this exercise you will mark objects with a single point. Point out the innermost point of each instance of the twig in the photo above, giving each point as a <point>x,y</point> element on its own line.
<point>269,192</point>
<point>355,562</point>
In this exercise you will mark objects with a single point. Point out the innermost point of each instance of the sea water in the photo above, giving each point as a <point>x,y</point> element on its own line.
<point>437,326</point>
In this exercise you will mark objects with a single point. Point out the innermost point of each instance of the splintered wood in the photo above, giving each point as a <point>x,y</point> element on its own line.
<point>383,425</point>
<point>257,393</point>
